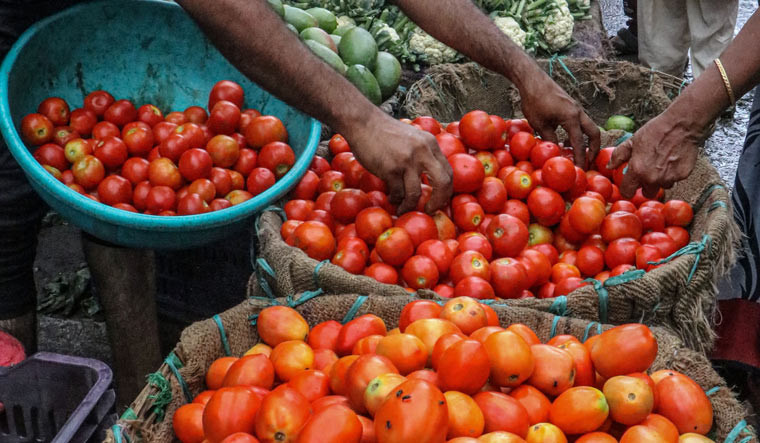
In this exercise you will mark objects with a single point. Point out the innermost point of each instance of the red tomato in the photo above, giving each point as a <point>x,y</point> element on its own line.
<point>120,113</point>
<point>468,172</point>
<point>590,261</point>
<point>306,188</point>
<point>419,226</point>
<point>679,235</point>
<point>621,224</point>
<point>477,130</point>
<point>112,152</point>
<point>490,164</point>
<point>568,285</point>
<point>195,164</point>
<point>416,310</point>
<point>467,264</point>
<point>223,118</point>
<point>278,157</point>
<point>546,205</point>
<point>331,181</point>
<point>437,251</point>
<point>517,209</point>
<point>519,184</point>
<point>150,114</point>
<point>474,287</point>
<point>601,185</point>
<point>160,198</point>
<point>53,155</point>
<point>83,121</point>
<point>265,129</point>
<point>282,414</point>
<point>355,330</point>
<point>678,213</point>
<point>395,246</point>
<point>371,222</point>
<point>508,277</point>
<point>161,131</point>
<point>98,102</point>
<point>195,114</point>
<point>449,144</point>
<point>370,182</point>
<point>115,189</point>
<point>36,129</point>
<point>621,252</point>
<point>508,235</point>
<point>347,203</point>
<point>231,410</point>
<point>475,241</point>
<point>428,124</point>
<point>224,151</point>
<point>56,110</point>
<point>662,241</point>
<point>420,272</point>
<point>503,413</point>
<point>542,152</point>
<point>646,254</point>
<point>259,181</point>
<point>383,273</point>
<point>651,219</point>
<point>226,90</point>
<point>521,144</point>
<point>559,174</point>
<point>541,264</point>
<point>468,216</point>
<point>493,195</point>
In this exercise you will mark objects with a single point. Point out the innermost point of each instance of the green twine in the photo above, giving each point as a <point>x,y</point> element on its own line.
<point>695,248</point>
<point>712,391</point>
<point>261,264</point>
<point>222,335</point>
<point>705,195</point>
<point>174,364</point>
<point>317,268</point>
<point>305,296</point>
<point>555,322</point>
<point>129,414</point>
<point>354,308</point>
<point>680,88</point>
<point>588,329</point>
<point>117,434</point>
<point>601,288</point>
<point>716,205</point>
<point>736,432</point>
<point>559,306</point>
<point>163,397</point>
<point>558,58</point>
<point>623,138</point>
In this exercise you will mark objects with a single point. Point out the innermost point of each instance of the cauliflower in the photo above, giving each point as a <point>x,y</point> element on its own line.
<point>345,20</point>
<point>389,32</point>
<point>509,26</point>
<point>558,26</point>
<point>434,51</point>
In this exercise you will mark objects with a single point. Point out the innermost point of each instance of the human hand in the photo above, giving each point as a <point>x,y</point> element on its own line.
<point>547,106</point>
<point>399,154</point>
<point>660,153</point>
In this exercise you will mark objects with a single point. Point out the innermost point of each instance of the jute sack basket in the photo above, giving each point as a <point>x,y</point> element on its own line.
<point>681,295</point>
<point>233,333</point>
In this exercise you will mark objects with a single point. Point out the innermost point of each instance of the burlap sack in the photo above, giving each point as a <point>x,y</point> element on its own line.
<point>202,343</point>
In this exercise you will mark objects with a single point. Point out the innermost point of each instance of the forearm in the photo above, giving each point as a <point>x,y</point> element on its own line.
<point>255,40</point>
<point>741,61</point>
<point>462,26</point>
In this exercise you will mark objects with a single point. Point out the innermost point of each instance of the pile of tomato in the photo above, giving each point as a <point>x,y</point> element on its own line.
<point>447,373</point>
<point>524,220</point>
<point>139,160</point>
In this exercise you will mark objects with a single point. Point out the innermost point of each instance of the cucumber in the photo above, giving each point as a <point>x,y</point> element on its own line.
<point>327,55</point>
<point>299,18</point>
<point>319,36</point>
<point>342,29</point>
<point>358,47</point>
<point>365,82</point>
<point>388,73</point>
<point>277,6</point>
<point>336,39</point>
<point>326,19</point>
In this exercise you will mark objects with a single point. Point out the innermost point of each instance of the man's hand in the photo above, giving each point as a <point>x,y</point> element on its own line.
<point>399,154</point>
<point>659,154</point>
<point>547,106</point>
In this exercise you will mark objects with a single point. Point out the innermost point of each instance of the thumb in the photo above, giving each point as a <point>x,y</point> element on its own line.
<point>621,154</point>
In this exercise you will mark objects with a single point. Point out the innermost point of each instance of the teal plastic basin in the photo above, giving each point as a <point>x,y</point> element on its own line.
<point>149,52</point>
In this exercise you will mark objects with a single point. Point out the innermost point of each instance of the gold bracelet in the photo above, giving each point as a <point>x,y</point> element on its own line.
<point>726,82</point>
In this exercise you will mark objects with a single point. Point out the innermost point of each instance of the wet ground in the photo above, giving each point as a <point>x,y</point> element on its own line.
<point>725,145</point>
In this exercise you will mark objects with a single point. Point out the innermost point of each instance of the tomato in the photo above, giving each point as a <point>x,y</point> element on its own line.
<point>36,129</point>
<point>195,164</point>
<point>621,224</point>
<point>312,384</point>
<point>278,324</point>
<point>428,124</point>
<point>224,118</point>
<point>678,213</point>
<point>415,412</point>
<point>407,352</point>
<point>465,417</point>
<point>437,251</point>
<point>298,209</point>
<point>662,426</point>
<point>640,434</point>
<point>115,189</point>
<point>395,246</point>
<point>187,423</point>
<point>579,410</point>
<point>338,144</point>
<point>351,261</point>
<point>83,121</point>
<point>540,263</point>
<point>624,350</point>
<point>468,216</point>
<point>231,410</point>
<point>508,235</point>
<point>88,171</point>
<point>120,112</point>
<point>221,180</point>
<point>449,144</point>
<point>621,251</point>
<point>683,402</point>
<point>511,358</point>
<point>630,399</point>
<point>240,437</point>
<point>194,134</point>
<point>586,215</point>
<point>477,131</point>
<point>602,186</point>
<point>559,174</point>
<point>645,255</point>
<point>545,433</point>
<point>259,348</point>
<point>226,90</point>
<point>468,172</point>
<point>663,242</point>
<point>265,129</point>
<point>420,272</point>
<point>278,157</point>
<point>112,152</point>
<point>56,110</point>
<point>161,131</point>
<point>542,152</point>
<point>98,102</point>
<point>191,204</point>
<point>150,114</point>
<point>489,162</point>
<point>502,413</point>
<point>250,370</point>
<point>469,263</point>
<point>474,287</point>
<point>357,329</point>
<point>282,414</point>
<point>259,181</point>
<point>492,196</point>
<point>466,313</point>
<point>536,403</point>
<point>315,239</point>
<point>416,310</point>
<point>347,203</point>
<point>176,117</point>
<point>441,345</point>
<point>554,370</point>
<point>590,261</point>
<point>361,373</point>
<point>53,155</point>
<point>679,235</point>
<point>521,145</point>
<point>508,277</point>
<point>568,285</point>
<point>547,206</point>
<point>139,141</point>
<point>224,151</point>
<point>290,357</point>
<point>429,330</point>
<point>651,219</point>
<point>519,184</point>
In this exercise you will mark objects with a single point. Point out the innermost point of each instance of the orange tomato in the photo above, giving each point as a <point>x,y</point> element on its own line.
<point>426,375</point>
<point>311,384</point>
<point>187,423</point>
<point>525,332</point>
<point>338,374</point>
<point>325,402</point>
<point>463,440</point>
<point>464,367</point>
<point>290,357</point>
<point>502,413</point>
<point>630,399</point>
<point>231,410</point>
<point>429,330</point>
<point>240,437</point>
<point>259,348</point>
<point>483,333</point>
<point>217,371</point>
<point>579,410</point>
<point>554,369</point>
<point>324,335</point>
<point>417,310</point>
<point>356,329</point>
<point>491,316</point>
<point>500,437</point>
<point>596,437</point>
<point>368,430</point>
<point>417,412</point>
<point>663,426</point>
<point>683,402</point>
<point>334,424</point>
<point>277,324</point>
<point>379,388</point>
<point>466,313</point>
<point>545,433</point>
<point>282,414</point>
<point>367,345</point>
<point>250,370</point>
<point>511,358</point>
<point>465,417</point>
<point>361,372</point>
<point>560,339</point>
<point>203,397</point>
<point>589,343</point>
<point>407,352</point>
<point>650,382</point>
<point>641,434</point>
<point>623,350</point>
<point>584,369</point>
<point>694,438</point>
<point>324,358</point>
<point>444,343</point>
<point>534,401</point>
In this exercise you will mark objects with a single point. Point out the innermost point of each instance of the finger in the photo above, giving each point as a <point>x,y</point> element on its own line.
<point>395,188</point>
<point>439,174</point>
<point>576,141</point>
<point>412,190</point>
<point>548,134</point>
<point>594,136</point>
<point>650,191</point>
<point>630,183</point>
<point>621,154</point>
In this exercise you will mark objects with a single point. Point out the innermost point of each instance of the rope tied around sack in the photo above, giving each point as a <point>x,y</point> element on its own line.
<point>118,432</point>
<point>737,431</point>
<point>262,265</point>
<point>559,306</point>
<point>222,335</point>
<point>354,308</point>
<point>588,329</point>
<point>695,248</point>
<point>705,195</point>
<point>558,58</point>
<point>601,289</point>
<point>271,208</point>
<point>716,205</point>
<point>315,275</point>
<point>555,322</point>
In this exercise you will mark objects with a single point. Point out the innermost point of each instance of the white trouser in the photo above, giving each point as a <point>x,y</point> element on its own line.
<point>668,29</point>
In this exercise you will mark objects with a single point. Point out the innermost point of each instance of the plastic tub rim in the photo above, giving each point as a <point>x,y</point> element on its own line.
<point>56,189</point>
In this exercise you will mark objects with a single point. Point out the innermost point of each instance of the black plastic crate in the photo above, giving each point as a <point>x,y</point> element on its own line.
<point>195,284</point>
<point>56,398</point>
